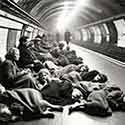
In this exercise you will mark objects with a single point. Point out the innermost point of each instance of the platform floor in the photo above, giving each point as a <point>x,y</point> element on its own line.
<point>116,74</point>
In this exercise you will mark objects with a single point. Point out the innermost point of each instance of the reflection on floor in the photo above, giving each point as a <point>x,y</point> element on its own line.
<point>115,74</point>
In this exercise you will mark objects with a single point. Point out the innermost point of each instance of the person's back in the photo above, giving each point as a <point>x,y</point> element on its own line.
<point>97,104</point>
<point>58,91</point>
<point>26,54</point>
<point>67,36</point>
<point>55,52</point>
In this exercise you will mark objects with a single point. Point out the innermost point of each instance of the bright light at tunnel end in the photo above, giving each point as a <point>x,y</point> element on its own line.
<point>62,24</point>
<point>65,19</point>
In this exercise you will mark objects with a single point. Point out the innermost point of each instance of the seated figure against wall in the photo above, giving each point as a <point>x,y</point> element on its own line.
<point>57,51</point>
<point>38,47</point>
<point>12,76</point>
<point>27,56</point>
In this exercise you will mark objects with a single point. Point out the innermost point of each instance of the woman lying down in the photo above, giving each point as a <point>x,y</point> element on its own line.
<point>99,100</point>
<point>24,104</point>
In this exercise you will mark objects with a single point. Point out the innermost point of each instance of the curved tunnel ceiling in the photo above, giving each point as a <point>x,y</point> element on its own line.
<point>75,12</point>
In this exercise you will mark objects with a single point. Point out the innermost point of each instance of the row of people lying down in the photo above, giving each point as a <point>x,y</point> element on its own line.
<point>98,102</point>
<point>57,85</point>
<point>98,99</point>
<point>95,99</point>
<point>31,54</point>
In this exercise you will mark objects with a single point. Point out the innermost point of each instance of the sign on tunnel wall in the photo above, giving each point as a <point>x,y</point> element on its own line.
<point>120,25</point>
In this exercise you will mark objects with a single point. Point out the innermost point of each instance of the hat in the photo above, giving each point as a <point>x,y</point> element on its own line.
<point>44,70</point>
<point>61,44</point>
<point>23,39</point>
<point>43,35</point>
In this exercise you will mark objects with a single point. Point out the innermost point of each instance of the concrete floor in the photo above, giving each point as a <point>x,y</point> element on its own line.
<point>116,74</point>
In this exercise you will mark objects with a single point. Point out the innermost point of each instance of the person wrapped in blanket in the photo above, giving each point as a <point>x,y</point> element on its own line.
<point>76,73</point>
<point>98,99</point>
<point>24,104</point>
<point>55,91</point>
<point>41,53</point>
<point>66,56</point>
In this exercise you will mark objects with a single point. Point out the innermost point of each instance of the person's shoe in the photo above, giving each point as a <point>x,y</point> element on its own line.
<point>48,115</point>
<point>61,109</point>
<point>15,118</point>
<point>70,111</point>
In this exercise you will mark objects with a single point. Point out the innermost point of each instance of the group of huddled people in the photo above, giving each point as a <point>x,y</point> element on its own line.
<point>40,76</point>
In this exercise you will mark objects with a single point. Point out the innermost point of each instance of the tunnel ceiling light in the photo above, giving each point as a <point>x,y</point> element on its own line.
<point>15,1</point>
<point>67,16</point>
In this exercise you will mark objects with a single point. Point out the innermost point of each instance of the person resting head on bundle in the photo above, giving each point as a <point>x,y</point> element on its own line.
<point>50,65</point>
<point>43,75</point>
<point>115,97</point>
<point>96,104</point>
<point>94,75</point>
<point>85,87</point>
<point>101,100</point>
<point>73,76</point>
<point>83,68</point>
<point>100,77</point>
<point>53,89</point>
<point>46,76</point>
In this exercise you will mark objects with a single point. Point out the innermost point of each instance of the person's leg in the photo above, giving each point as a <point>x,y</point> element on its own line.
<point>51,107</point>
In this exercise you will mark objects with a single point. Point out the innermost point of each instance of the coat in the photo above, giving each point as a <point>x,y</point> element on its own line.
<point>26,56</point>
<point>13,78</point>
